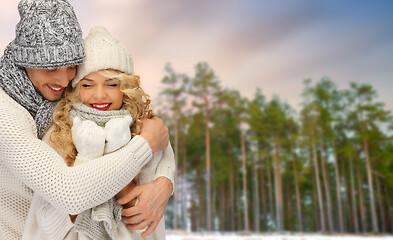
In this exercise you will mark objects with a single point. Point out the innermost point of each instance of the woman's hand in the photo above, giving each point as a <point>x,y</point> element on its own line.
<point>152,200</point>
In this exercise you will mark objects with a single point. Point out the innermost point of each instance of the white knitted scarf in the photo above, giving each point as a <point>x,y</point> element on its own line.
<point>99,117</point>
<point>99,222</point>
<point>16,83</point>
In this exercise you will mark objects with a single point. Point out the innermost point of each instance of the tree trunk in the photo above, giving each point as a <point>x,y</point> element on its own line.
<point>326,186</point>
<point>202,207</point>
<point>361,202</point>
<point>369,179</point>
<point>207,143</point>
<point>290,221</point>
<point>255,194</point>
<point>338,189</point>
<point>297,191</point>
<point>193,216</point>
<point>263,195</point>
<point>316,168</point>
<point>243,149</point>
<point>346,197</point>
<point>232,196</point>
<point>239,213</point>
<point>353,196</point>
<point>222,207</point>
<point>270,185</point>
<point>184,190</point>
<point>278,189</point>
<point>389,215</point>
<point>316,222</point>
<point>381,205</point>
<point>213,203</point>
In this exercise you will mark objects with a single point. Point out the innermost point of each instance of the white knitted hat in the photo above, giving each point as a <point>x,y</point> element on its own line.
<point>102,51</point>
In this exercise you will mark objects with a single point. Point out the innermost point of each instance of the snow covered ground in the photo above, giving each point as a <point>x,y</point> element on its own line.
<point>175,235</point>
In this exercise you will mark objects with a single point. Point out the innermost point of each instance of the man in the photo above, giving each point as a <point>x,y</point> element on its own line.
<point>34,70</point>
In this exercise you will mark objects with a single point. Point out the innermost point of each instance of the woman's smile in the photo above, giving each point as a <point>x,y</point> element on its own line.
<point>101,106</point>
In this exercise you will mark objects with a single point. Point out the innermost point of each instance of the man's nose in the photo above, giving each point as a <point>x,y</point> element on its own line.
<point>62,77</point>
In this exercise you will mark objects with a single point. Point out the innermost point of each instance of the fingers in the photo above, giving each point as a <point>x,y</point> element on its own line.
<point>150,229</point>
<point>132,211</point>
<point>138,226</point>
<point>128,197</point>
<point>134,220</point>
<point>151,226</point>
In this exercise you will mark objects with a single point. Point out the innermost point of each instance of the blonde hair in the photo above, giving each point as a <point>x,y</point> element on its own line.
<point>135,100</point>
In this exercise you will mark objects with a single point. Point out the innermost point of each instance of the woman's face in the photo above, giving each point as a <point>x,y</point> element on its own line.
<point>101,93</point>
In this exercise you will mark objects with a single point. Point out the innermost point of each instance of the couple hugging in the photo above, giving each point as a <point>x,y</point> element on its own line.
<point>81,156</point>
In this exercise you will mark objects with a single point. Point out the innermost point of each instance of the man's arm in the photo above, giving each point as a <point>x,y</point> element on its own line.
<point>72,189</point>
<point>152,200</point>
<point>153,197</point>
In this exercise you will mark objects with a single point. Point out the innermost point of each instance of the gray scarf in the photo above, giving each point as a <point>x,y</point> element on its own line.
<point>99,222</point>
<point>15,82</point>
<point>99,117</point>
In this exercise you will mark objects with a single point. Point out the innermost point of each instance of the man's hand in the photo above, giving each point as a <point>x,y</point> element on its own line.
<point>152,200</point>
<point>155,133</point>
<point>127,189</point>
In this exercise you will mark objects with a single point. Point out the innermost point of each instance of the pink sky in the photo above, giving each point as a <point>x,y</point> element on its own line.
<point>249,44</point>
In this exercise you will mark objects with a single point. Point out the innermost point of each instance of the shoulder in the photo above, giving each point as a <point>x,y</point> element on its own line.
<point>12,112</point>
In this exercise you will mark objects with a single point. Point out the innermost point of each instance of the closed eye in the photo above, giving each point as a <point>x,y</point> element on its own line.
<point>86,85</point>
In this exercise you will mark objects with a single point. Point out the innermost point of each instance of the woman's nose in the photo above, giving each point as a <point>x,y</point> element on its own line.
<point>99,93</point>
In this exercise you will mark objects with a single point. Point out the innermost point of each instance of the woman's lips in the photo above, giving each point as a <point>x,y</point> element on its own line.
<point>101,106</point>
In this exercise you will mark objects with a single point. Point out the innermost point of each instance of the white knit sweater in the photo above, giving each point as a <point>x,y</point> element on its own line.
<point>28,163</point>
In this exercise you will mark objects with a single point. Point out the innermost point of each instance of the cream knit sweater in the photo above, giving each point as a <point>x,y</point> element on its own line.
<point>27,163</point>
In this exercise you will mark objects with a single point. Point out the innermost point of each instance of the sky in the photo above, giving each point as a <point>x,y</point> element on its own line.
<point>250,44</point>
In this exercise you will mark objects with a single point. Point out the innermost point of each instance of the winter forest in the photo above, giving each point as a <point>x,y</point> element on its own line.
<point>259,165</point>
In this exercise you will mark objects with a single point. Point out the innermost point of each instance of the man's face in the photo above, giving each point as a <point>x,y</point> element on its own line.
<point>50,83</point>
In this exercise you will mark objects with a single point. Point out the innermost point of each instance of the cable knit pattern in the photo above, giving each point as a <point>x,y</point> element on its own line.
<point>48,35</point>
<point>26,162</point>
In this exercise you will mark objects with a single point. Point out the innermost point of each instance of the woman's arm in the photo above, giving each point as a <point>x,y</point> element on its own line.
<point>72,189</point>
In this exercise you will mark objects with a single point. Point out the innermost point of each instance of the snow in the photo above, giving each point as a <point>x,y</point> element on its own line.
<point>176,235</point>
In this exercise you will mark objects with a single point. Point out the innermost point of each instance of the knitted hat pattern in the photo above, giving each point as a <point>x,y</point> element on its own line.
<point>102,51</point>
<point>48,35</point>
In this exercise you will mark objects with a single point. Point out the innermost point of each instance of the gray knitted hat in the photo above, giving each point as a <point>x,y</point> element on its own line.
<point>48,35</point>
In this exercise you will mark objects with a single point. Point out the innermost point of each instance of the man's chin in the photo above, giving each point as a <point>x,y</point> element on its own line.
<point>52,97</point>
